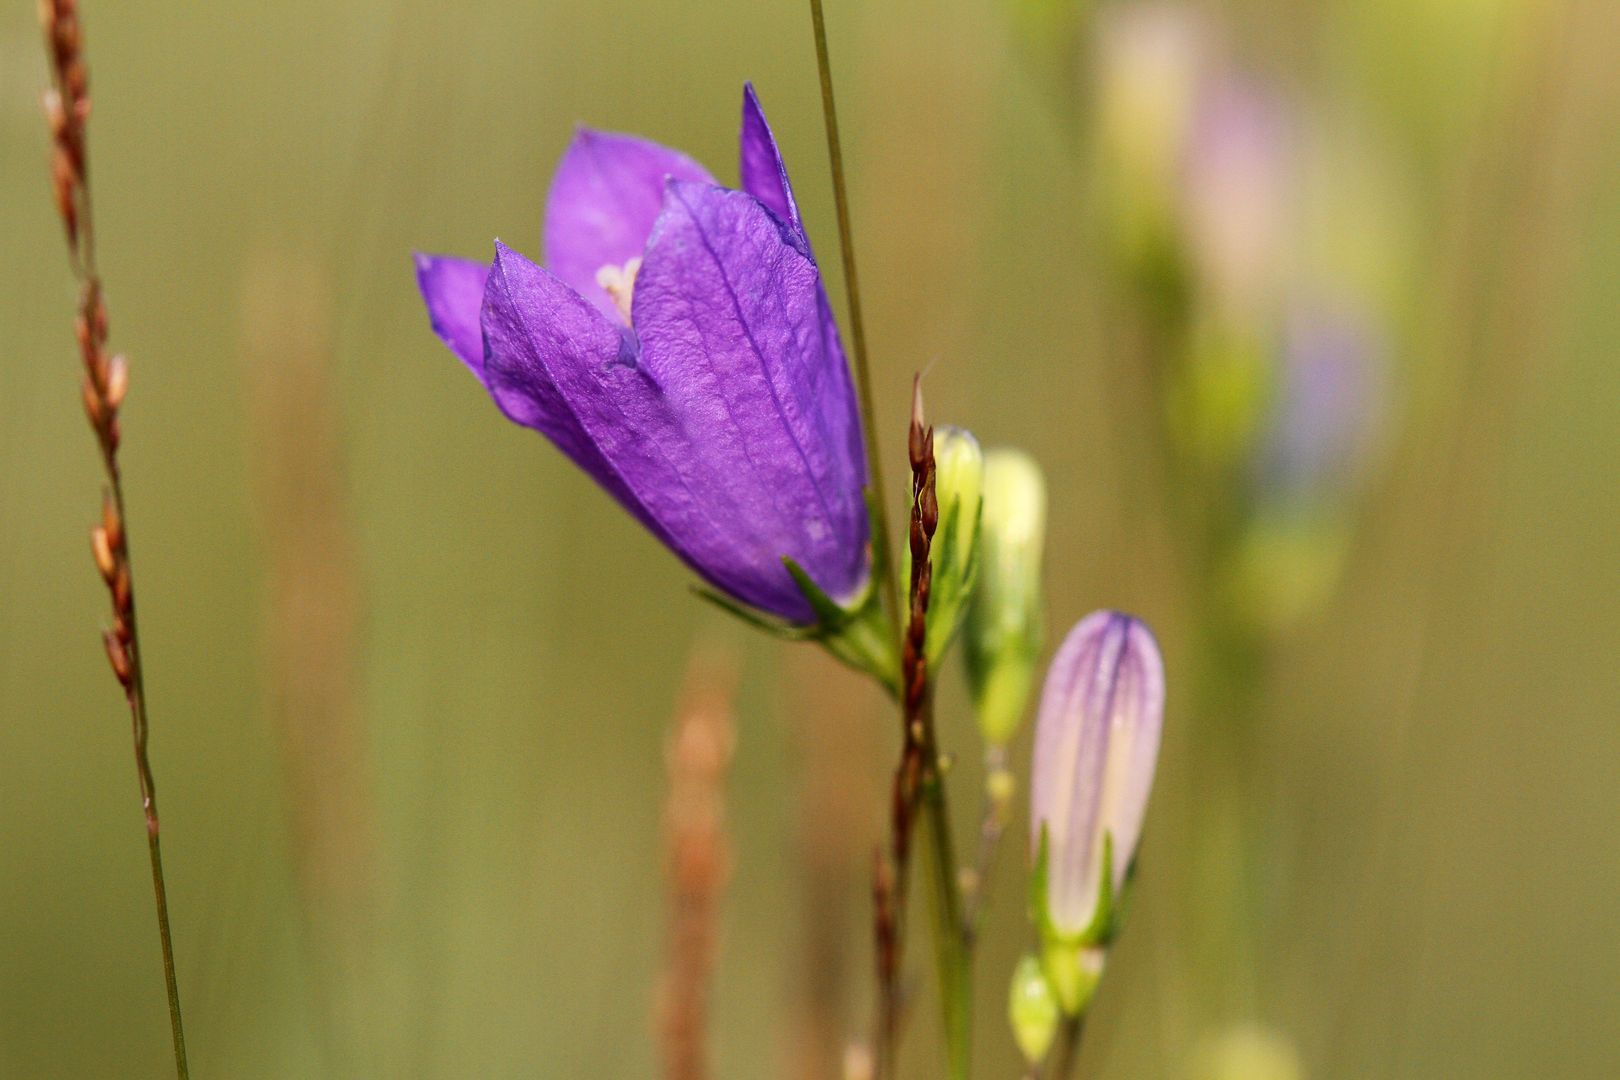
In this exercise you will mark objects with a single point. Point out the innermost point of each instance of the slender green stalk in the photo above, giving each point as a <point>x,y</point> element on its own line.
<point>166,941</point>
<point>881,564</point>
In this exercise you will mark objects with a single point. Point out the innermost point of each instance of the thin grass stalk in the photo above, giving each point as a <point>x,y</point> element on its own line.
<point>106,380</point>
<point>882,567</point>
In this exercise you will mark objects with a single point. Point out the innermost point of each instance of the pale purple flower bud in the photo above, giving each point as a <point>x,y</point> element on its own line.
<point>1096,745</point>
<point>1237,193</point>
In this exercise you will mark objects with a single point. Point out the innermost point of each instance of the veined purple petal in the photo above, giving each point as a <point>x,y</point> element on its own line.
<point>761,170</point>
<point>764,175</point>
<point>728,309</point>
<point>722,417</point>
<point>551,361</point>
<point>1096,746</point>
<point>453,290</point>
<point>661,447</point>
<point>605,197</point>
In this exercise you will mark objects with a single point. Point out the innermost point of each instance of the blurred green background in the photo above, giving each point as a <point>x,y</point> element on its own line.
<point>411,674</point>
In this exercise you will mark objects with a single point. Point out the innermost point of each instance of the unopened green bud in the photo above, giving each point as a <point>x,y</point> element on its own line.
<point>1073,970</point>
<point>1003,635</point>
<point>1032,1009</point>
<point>959,487</point>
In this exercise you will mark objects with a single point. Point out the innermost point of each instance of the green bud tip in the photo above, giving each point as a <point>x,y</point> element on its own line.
<point>1003,630</point>
<point>1032,1009</point>
<point>959,487</point>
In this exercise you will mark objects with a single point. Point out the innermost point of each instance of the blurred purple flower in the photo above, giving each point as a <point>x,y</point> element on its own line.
<point>1096,746</point>
<point>679,347</point>
<point>1327,398</point>
<point>1236,193</point>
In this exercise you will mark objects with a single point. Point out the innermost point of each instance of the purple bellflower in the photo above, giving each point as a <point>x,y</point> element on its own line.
<point>679,347</point>
<point>1096,746</point>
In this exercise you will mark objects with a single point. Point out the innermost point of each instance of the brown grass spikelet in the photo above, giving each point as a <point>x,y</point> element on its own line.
<point>103,387</point>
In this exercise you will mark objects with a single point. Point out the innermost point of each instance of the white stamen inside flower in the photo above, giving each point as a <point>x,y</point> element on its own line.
<point>620,283</point>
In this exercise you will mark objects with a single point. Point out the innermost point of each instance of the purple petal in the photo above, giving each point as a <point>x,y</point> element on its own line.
<point>764,176</point>
<point>453,290</point>
<point>604,199</point>
<point>1133,752</point>
<point>548,358</point>
<point>729,310</point>
<point>1096,746</point>
<point>558,365</point>
<point>761,169</point>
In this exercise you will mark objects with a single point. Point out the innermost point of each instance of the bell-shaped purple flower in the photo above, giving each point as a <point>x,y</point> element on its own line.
<point>1096,745</point>
<point>679,347</point>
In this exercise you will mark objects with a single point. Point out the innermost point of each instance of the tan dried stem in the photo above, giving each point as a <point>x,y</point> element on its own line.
<point>312,636</point>
<point>835,744</point>
<point>697,861</point>
<point>104,385</point>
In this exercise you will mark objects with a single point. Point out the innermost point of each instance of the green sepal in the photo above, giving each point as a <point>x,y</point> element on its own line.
<point>859,635</point>
<point>1104,925</point>
<point>954,587</point>
<point>1073,963</point>
<point>829,615</point>
<point>1039,913</point>
<point>1105,920</point>
<point>775,627</point>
